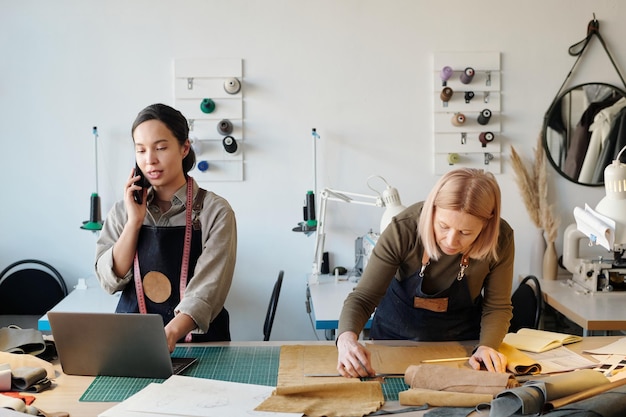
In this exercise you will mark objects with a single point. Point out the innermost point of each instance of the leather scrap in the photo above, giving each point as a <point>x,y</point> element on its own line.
<point>319,396</point>
<point>518,363</point>
<point>422,396</point>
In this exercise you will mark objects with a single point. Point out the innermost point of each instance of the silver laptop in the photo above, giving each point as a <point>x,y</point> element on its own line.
<point>114,344</point>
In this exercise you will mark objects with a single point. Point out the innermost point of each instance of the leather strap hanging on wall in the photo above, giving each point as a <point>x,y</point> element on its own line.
<point>577,49</point>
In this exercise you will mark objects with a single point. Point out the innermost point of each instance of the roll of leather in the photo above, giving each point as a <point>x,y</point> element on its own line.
<point>447,378</point>
<point>458,119</point>
<point>30,379</point>
<point>420,396</point>
<point>15,404</point>
<point>5,377</point>
<point>569,383</point>
<point>553,391</point>
<point>518,363</point>
<point>583,395</point>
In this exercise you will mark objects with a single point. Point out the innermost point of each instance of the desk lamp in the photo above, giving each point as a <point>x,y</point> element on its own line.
<point>95,219</point>
<point>389,198</point>
<point>613,205</point>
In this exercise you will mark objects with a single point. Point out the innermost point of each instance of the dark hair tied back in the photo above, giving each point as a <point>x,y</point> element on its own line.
<point>175,122</point>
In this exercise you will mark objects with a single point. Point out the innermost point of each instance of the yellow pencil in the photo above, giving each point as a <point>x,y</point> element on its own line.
<point>445,360</point>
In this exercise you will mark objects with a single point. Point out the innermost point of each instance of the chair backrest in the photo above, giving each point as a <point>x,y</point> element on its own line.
<point>271,309</point>
<point>527,303</point>
<point>30,287</point>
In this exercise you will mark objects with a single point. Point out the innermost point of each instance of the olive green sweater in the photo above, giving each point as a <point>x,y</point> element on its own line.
<point>398,253</point>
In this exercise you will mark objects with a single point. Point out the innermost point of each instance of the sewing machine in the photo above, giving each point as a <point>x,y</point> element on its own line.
<point>595,272</point>
<point>603,227</point>
<point>606,227</point>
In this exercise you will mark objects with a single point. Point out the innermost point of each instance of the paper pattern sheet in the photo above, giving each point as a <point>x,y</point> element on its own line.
<point>195,397</point>
<point>615,348</point>
<point>561,359</point>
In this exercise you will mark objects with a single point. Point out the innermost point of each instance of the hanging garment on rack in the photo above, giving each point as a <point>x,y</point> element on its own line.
<point>614,143</point>
<point>579,141</point>
<point>600,129</point>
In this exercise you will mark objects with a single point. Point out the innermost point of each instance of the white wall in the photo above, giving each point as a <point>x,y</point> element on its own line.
<point>359,71</point>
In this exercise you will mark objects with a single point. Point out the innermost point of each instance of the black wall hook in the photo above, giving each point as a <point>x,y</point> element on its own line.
<point>593,25</point>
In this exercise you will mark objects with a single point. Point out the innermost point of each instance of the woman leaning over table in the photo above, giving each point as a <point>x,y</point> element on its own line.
<point>442,270</point>
<point>149,235</point>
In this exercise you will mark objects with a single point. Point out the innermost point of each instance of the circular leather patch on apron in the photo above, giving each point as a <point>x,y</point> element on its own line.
<point>157,287</point>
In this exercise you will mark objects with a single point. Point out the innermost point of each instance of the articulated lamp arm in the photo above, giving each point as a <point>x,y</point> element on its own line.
<point>326,195</point>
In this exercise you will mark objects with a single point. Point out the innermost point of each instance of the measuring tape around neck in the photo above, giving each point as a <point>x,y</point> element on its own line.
<point>184,268</point>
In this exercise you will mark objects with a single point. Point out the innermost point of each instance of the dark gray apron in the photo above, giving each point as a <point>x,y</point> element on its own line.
<point>397,318</point>
<point>160,249</point>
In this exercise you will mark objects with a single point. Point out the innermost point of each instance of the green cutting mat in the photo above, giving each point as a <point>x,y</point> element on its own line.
<point>249,365</point>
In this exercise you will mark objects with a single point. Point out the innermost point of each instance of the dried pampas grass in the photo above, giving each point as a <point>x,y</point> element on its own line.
<point>533,185</point>
<point>528,187</point>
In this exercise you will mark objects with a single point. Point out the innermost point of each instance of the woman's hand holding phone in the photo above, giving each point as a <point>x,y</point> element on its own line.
<point>142,182</point>
<point>134,196</point>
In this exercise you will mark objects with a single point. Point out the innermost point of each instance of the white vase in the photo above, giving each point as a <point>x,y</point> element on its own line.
<point>537,252</point>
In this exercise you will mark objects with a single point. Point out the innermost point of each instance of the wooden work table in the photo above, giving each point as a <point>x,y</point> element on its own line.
<point>67,389</point>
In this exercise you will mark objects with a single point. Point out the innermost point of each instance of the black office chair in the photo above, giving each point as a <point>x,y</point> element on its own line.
<point>30,287</point>
<point>527,303</point>
<point>271,309</point>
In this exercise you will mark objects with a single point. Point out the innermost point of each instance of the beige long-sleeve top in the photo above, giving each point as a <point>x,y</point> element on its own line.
<point>398,255</point>
<point>212,277</point>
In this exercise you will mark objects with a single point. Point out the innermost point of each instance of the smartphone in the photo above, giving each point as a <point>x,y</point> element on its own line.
<point>143,183</point>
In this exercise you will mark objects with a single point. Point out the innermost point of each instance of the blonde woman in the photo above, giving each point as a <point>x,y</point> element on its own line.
<point>442,270</point>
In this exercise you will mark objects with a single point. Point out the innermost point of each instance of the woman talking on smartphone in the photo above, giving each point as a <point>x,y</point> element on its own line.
<point>169,247</point>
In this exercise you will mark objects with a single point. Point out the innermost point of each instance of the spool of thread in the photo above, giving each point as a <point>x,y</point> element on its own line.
<point>232,86</point>
<point>207,105</point>
<point>485,138</point>
<point>230,144</point>
<point>203,166</point>
<point>453,158</point>
<point>469,95</point>
<point>445,74</point>
<point>467,75</point>
<point>325,267</point>
<point>484,116</point>
<point>225,127</point>
<point>94,214</point>
<point>446,94</point>
<point>310,209</point>
<point>458,119</point>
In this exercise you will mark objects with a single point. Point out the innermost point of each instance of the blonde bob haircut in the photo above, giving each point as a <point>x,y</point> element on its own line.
<point>471,191</point>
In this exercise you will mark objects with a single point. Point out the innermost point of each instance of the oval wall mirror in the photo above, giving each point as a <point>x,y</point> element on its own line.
<point>584,130</point>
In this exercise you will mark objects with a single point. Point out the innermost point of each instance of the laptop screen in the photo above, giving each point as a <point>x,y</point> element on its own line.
<point>113,344</point>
